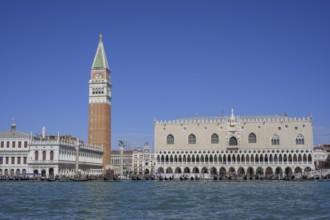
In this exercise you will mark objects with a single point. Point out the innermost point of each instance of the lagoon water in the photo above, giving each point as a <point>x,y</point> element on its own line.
<point>165,200</point>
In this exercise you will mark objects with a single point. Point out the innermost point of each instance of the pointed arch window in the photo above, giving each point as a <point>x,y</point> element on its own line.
<point>192,139</point>
<point>233,141</point>
<point>252,138</point>
<point>275,140</point>
<point>170,139</point>
<point>214,139</point>
<point>300,140</point>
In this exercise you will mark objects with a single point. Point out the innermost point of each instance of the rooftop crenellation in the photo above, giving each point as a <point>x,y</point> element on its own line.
<point>243,119</point>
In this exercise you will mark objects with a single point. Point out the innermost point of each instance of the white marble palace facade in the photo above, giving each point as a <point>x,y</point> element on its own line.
<point>58,157</point>
<point>243,145</point>
<point>22,154</point>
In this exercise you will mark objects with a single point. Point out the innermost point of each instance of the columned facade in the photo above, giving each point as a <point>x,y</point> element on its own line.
<point>273,146</point>
<point>206,163</point>
<point>49,158</point>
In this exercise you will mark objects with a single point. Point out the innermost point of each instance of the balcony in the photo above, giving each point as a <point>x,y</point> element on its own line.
<point>232,147</point>
<point>42,161</point>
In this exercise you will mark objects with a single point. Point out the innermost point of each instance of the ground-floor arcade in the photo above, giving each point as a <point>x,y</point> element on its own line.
<point>203,171</point>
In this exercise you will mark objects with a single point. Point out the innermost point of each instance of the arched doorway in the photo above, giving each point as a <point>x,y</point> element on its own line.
<point>51,172</point>
<point>260,171</point>
<point>308,169</point>
<point>186,170</point>
<point>18,172</point>
<point>222,171</point>
<point>288,171</point>
<point>231,170</point>
<point>146,171</point>
<point>178,170</point>
<point>204,170</point>
<point>195,170</point>
<point>278,171</point>
<point>43,173</point>
<point>6,172</point>
<point>269,171</point>
<point>12,172</point>
<point>250,171</point>
<point>297,170</point>
<point>160,170</point>
<point>214,171</point>
<point>240,171</point>
<point>169,170</point>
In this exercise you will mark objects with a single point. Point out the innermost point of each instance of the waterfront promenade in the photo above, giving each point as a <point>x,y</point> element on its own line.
<point>312,175</point>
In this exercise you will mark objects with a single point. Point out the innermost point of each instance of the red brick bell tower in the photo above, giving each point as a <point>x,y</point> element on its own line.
<point>99,116</point>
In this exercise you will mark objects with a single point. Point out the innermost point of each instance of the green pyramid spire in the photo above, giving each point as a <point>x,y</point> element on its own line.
<point>100,60</point>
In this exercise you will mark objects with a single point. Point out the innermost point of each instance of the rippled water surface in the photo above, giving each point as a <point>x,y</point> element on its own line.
<point>163,200</point>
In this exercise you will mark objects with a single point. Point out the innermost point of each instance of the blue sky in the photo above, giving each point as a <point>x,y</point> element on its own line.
<point>168,60</point>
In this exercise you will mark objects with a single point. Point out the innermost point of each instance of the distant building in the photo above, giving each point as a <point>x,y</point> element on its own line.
<point>322,156</point>
<point>324,147</point>
<point>143,160</point>
<point>14,151</point>
<point>23,154</point>
<point>57,157</point>
<point>234,145</point>
<point>127,161</point>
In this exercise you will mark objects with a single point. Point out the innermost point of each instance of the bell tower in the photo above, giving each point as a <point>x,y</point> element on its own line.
<point>99,114</point>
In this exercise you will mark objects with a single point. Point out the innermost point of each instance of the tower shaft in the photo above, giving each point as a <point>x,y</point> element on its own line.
<point>99,115</point>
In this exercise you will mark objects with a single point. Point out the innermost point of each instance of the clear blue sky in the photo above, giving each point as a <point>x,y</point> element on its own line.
<point>168,59</point>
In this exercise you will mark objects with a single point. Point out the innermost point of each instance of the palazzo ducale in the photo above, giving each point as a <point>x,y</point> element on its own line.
<point>272,145</point>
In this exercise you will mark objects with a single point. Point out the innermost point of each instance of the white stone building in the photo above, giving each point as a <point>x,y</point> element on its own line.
<point>143,160</point>
<point>23,154</point>
<point>242,145</point>
<point>127,161</point>
<point>56,157</point>
<point>321,159</point>
<point>14,150</point>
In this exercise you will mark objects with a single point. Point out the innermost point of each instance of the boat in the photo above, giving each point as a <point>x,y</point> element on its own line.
<point>79,179</point>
